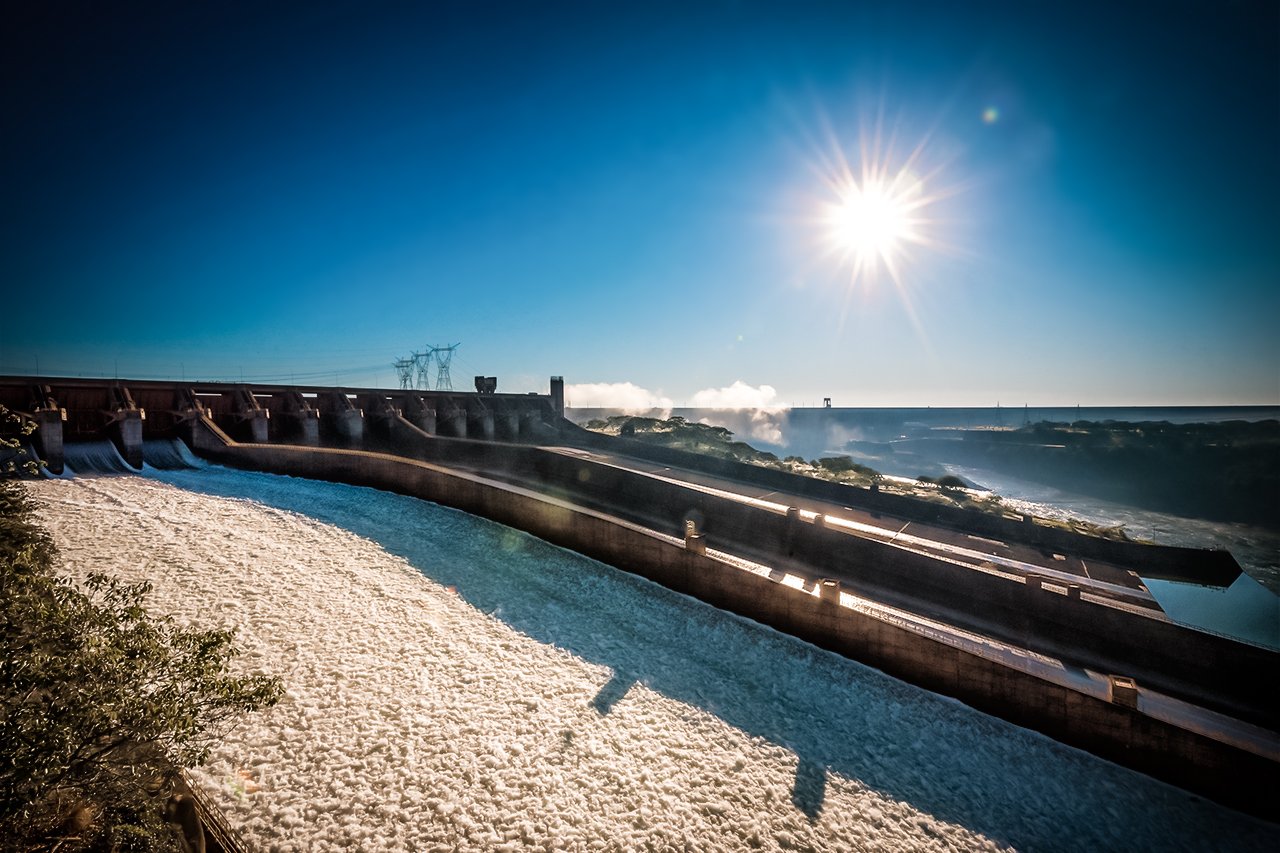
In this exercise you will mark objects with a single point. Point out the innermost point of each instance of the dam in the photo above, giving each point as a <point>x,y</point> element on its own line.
<point>1048,629</point>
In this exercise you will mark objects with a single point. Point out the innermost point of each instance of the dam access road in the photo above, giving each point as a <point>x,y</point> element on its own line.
<point>1044,627</point>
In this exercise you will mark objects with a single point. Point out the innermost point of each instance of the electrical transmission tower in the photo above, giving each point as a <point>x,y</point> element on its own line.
<point>415,371</point>
<point>444,356</point>
<point>404,369</point>
<point>422,364</point>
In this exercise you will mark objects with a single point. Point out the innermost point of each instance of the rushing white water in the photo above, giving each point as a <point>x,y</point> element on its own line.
<point>455,684</point>
<point>95,457</point>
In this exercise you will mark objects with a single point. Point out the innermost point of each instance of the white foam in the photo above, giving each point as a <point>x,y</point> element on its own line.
<point>453,684</point>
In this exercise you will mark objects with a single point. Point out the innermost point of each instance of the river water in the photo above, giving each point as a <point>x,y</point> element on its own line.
<point>455,684</point>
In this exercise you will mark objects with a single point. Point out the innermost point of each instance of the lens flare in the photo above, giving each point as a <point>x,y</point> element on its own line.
<point>878,214</point>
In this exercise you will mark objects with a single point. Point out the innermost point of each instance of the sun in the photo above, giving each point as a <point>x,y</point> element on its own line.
<point>873,220</point>
<point>882,207</point>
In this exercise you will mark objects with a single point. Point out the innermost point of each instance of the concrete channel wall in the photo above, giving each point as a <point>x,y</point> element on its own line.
<point>1217,672</point>
<point>1164,562</point>
<point>1236,677</point>
<point>1224,771</point>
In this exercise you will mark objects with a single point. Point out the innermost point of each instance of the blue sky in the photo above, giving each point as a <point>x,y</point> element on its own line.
<point>630,195</point>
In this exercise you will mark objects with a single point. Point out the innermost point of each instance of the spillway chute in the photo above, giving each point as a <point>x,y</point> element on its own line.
<point>169,455</point>
<point>94,458</point>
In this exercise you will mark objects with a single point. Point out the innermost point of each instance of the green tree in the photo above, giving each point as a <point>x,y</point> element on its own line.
<point>845,465</point>
<point>100,702</point>
<point>14,458</point>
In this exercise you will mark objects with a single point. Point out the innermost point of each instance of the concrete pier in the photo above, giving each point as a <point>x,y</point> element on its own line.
<point>341,419</point>
<point>829,590</point>
<point>300,423</point>
<point>419,412</point>
<point>380,417</point>
<point>693,540</point>
<point>1124,691</point>
<point>506,422</point>
<point>125,426</point>
<point>529,423</point>
<point>252,420</point>
<point>557,395</point>
<point>48,438</point>
<point>188,412</point>
<point>480,420</point>
<point>451,418</point>
<point>48,418</point>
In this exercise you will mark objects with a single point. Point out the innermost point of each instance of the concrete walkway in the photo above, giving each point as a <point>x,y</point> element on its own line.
<point>1102,580</point>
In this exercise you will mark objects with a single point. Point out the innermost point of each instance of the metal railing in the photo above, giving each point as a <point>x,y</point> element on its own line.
<point>216,826</point>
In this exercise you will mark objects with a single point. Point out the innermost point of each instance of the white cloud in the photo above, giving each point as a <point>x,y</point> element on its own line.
<point>739,395</point>
<point>615,395</point>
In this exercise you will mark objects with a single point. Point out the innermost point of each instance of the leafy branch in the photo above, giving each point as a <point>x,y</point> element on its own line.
<point>100,701</point>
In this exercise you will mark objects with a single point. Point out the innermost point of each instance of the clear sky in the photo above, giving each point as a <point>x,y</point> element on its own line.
<point>632,195</point>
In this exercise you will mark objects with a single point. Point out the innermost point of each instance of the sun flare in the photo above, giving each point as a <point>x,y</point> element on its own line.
<point>874,219</point>
<point>881,211</point>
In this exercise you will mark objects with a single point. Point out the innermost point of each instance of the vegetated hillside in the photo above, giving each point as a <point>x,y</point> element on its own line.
<point>717,441</point>
<point>1221,471</point>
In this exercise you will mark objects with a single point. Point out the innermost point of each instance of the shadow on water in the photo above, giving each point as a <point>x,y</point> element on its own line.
<point>810,789</point>
<point>612,692</point>
<point>836,716</point>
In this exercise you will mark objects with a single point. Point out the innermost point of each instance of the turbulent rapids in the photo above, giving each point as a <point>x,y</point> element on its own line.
<point>453,683</point>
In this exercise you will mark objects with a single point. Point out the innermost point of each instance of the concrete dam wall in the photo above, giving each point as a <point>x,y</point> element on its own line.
<point>1090,669</point>
<point>128,412</point>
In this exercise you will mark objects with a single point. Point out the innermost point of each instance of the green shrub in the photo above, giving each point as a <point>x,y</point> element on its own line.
<point>14,458</point>
<point>100,702</point>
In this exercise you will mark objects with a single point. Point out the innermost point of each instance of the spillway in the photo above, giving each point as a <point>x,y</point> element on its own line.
<point>456,684</point>
<point>94,458</point>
